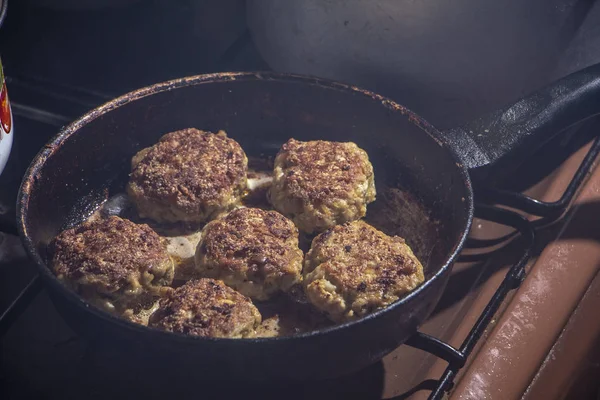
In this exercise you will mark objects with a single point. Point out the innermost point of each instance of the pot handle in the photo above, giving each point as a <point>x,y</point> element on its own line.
<point>494,145</point>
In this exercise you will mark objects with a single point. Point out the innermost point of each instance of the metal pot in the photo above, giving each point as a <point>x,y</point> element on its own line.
<point>448,60</point>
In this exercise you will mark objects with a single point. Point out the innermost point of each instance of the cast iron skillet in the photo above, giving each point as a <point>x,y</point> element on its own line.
<point>89,160</point>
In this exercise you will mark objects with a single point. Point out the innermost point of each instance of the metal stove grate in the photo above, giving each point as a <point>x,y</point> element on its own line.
<point>548,212</point>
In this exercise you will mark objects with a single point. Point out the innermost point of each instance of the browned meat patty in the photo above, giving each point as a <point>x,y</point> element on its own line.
<point>354,269</point>
<point>207,307</point>
<point>114,263</point>
<point>189,175</point>
<point>321,184</point>
<point>252,250</point>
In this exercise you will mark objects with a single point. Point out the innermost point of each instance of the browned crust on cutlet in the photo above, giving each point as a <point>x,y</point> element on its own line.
<point>354,269</point>
<point>320,184</point>
<point>207,307</point>
<point>113,257</point>
<point>253,250</point>
<point>189,175</point>
<point>320,170</point>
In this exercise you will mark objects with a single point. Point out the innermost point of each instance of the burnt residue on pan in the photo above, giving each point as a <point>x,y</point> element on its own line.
<point>397,212</point>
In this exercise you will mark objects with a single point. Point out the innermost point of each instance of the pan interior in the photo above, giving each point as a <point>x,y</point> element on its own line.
<point>422,193</point>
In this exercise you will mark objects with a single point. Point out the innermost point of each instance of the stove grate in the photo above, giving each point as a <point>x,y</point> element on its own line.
<point>548,212</point>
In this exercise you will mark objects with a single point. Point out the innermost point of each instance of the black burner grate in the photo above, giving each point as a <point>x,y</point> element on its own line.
<point>549,213</point>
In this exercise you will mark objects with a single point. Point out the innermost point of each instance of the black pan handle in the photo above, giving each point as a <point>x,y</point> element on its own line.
<point>494,145</point>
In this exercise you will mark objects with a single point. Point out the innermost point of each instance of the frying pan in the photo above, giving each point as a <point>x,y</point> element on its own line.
<point>88,161</point>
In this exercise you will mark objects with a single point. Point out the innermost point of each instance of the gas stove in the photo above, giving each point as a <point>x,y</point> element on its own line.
<point>517,319</point>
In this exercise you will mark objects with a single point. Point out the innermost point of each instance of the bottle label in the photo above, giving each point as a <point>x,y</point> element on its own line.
<point>5,112</point>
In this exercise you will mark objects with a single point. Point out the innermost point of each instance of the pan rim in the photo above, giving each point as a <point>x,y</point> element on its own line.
<point>66,132</point>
